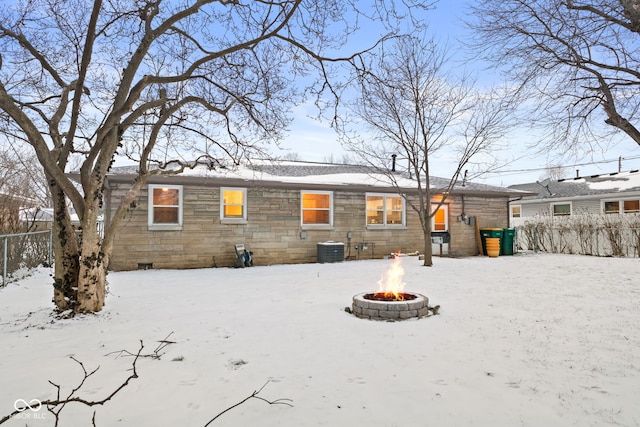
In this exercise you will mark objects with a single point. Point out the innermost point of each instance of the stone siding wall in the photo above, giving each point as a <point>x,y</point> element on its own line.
<point>273,230</point>
<point>488,212</point>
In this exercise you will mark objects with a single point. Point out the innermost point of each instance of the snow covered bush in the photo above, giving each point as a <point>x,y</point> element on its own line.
<point>586,234</point>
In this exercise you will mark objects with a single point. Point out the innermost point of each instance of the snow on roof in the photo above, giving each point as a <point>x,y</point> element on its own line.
<point>46,214</point>
<point>17,198</point>
<point>37,214</point>
<point>296,172</point>
<point>301,172</point>
<point>623,181</point>
<point>584,186</point>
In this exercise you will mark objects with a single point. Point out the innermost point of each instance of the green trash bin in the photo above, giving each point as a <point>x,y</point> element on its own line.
<point>490,232</point>
<point>507,242</point>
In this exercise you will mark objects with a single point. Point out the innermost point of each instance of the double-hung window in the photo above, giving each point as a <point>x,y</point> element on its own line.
<point>233,203</point>
<point>385,210</point>
<point>165,207</point>
<point>316,208</point>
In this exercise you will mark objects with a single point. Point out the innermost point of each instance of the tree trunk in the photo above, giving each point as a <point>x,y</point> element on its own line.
<point>79,268</point>
<point>93,272</point>
<point>65,250</point>
<point>426,228</point>
<point>91,283</point>
<point>428,249</point>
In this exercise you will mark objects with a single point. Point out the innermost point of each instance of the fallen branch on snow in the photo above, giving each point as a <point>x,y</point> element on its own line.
<point>253,395</point>
<point>55,406</point>
<point>155,354</point>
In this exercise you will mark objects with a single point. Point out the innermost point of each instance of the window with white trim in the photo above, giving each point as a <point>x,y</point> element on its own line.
<point>165,206</point>
<point>385,209</point>
<point>561,209</point>
<point>516,211</point>
<point>631,206</point>
<point>316,207</point>
<point>612,207</point>
<point>628,206</point>
<point>440,221</point>
<point>233,203</point>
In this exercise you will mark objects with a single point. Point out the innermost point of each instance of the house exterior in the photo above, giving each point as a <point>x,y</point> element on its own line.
<point>614,193</point>
<point>12,209</point>
<point>282,211</point>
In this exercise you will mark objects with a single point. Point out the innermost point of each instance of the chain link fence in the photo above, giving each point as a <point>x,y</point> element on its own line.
<point>24,251</point>
<point>597,235</point>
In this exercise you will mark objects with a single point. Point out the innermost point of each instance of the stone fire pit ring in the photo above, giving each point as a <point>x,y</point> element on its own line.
<point>390,310</point>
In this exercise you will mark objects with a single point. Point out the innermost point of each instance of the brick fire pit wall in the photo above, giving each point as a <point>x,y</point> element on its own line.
<point>390,310</point>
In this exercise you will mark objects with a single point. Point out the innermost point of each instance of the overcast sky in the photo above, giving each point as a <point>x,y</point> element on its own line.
<point>316,141</point>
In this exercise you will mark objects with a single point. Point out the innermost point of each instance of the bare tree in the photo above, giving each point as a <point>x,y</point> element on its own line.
<point>554,173</point>
<point>22,189</point>
<point>158,81</point>
<point>580,59</point>
<point>415,107</point>
<point>291,155</point>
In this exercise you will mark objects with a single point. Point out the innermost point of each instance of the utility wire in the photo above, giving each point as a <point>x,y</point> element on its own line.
<point>515,171</point>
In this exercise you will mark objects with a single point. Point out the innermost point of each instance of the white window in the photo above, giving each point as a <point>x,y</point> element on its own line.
<point>612,207</point>
<point>316,207</point>
<point>516,211</point>
<point>165,207</point>
<point>385,209</point>
<point>561,209</point>
<point>631,206</point>
<point>233,203</point>
<point>621,206</point>
<point>440,221</point>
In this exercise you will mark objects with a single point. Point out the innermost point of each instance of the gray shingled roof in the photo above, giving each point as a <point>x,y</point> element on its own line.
<point>584,186</point>
<point>319,169</point>
<point>291,171</point>
<point>307,169</point>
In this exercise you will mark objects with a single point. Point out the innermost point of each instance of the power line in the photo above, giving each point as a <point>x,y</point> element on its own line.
<point>515,171</point>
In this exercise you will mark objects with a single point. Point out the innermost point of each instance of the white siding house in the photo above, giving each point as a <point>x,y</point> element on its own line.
<point>614,193</point>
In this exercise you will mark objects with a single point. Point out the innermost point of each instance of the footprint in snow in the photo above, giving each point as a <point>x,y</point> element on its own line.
<point>236,364</point>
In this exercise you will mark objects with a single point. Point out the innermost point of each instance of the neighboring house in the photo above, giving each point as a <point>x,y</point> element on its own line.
<point>42,219</point>
<point>614,193</point>
<point>281,211</point>
<point>37,218</point>
<point>11,208</point>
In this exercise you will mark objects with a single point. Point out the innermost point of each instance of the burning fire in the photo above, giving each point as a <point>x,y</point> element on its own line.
<point>390,284</point>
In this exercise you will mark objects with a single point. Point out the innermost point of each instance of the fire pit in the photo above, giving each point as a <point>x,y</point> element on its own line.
<point>390,302</point>
<point>367,306</point>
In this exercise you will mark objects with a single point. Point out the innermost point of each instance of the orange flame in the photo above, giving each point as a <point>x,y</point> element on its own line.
<point>391,281</point>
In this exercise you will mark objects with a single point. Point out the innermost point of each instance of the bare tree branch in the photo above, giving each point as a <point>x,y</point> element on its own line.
<point>415,107</point>
<point>161,82</point>
<point>56,405</point>
<point>254,395</point>
<point>577,59</point>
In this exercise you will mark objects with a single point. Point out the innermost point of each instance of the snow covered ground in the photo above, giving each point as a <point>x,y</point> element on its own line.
<point>524,340</point>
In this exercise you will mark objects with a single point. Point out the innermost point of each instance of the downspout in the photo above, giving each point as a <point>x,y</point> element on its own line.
<point>508,213</point>
<point>463,214</point>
